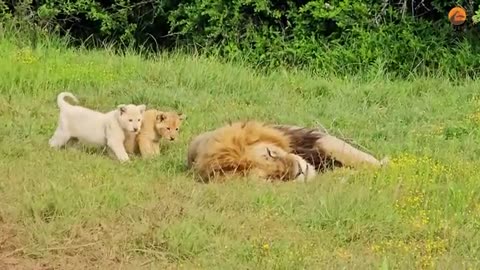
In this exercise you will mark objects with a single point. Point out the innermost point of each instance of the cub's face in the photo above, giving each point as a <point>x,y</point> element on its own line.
<point>276,164</point>
<point>167,124</point>
<point>131,117</point>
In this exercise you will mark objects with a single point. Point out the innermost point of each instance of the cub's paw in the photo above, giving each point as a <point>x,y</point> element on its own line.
<point>385,161</point>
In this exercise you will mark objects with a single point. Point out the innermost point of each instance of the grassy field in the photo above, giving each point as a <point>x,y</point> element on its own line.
<point>78,209</point>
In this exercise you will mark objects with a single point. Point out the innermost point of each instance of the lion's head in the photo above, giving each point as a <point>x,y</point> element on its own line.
<point>244,149</point>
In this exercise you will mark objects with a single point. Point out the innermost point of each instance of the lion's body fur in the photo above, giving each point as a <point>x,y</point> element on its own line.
<point>303,142</point>
<point>325,151</point>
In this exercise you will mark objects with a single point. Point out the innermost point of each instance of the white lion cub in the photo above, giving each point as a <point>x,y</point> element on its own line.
<point>97,128</point>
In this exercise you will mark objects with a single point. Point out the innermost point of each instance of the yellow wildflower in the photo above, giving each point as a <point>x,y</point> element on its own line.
<point>474,117</point>
<point>343,253</point>
<point>26,56</point>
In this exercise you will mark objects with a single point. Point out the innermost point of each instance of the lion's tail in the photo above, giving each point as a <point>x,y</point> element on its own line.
<point>61,99</point>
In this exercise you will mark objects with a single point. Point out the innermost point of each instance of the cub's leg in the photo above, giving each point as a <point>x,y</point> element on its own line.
<point>146,147</point>
<point>156,148</point>
<point>118,149</point>
<point>345,153</point>
<point>115,143</point>
<point>130,143</point>
<point>60,137</point>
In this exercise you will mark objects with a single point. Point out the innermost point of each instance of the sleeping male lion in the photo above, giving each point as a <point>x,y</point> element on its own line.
<point>271,152</point>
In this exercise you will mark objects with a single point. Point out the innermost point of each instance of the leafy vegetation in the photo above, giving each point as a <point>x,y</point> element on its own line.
<point>341,37</point>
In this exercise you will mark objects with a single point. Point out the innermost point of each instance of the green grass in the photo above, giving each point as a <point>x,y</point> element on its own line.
<point>78,208</point>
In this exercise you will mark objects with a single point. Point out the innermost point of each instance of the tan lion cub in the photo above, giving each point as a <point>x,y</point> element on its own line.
<point>156,125</point>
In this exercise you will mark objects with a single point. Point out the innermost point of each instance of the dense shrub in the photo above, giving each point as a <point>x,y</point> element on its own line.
<point>342,36</point>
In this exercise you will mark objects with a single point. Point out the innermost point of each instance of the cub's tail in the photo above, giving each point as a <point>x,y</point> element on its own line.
<point>61,99</point>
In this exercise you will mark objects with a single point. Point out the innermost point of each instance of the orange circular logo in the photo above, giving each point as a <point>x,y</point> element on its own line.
<point>457,15</point>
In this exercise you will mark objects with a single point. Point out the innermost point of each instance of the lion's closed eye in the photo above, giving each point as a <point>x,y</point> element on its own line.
<point>271,153</point>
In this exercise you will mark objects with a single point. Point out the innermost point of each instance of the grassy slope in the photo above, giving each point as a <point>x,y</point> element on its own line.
<point>79,208</point>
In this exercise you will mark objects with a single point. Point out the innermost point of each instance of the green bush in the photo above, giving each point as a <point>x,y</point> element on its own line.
<point>340,36</point>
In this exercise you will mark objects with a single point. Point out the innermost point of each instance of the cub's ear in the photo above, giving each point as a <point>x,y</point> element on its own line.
<point>182,116</point>
<point>142,108</point>
<point>122,108</point>
<point>161,116</point>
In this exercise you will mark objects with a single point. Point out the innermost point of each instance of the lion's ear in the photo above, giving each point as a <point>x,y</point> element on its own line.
<point>122,108</point>
<point>182,116</point>
<point>142,108</point>
<point>161,116</point>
